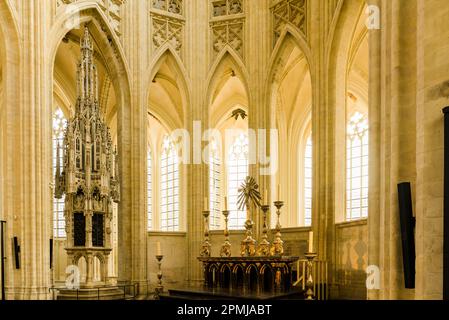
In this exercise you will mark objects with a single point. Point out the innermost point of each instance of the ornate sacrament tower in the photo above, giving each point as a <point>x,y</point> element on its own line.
<point>89,178</point>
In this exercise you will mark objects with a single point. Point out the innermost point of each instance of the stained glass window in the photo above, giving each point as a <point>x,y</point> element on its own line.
<point>357,167</point>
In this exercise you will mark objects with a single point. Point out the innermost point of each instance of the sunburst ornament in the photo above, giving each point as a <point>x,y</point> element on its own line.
<point>248,194</point>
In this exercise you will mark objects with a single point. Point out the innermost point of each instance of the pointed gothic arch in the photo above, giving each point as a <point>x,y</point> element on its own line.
<point>108,49</point>
<point>338,60</point>
<point>290,97</point>
<point>226,61</point>
<point>106,40</point>
<point>177,81</point>
<point>289,37</point>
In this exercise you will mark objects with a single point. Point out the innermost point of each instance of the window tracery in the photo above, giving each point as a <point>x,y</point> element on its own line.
<point>357,167</point>
<point>214,187</point>
<point>237,173</point>
<point>169,187</point>
<point>59,127</point>
<point>308,163</point>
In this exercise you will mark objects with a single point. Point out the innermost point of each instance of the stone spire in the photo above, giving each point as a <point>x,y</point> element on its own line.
<point>87,84</point>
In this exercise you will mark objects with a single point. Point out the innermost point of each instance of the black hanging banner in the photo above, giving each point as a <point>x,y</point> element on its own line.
<point>407,233</point>
<point>446,206</point>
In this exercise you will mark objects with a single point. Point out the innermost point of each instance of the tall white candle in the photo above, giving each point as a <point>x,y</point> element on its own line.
<point>279,192</point>
<point>206,204</point>
<point>225,203</point>
<point>311,241</point>
<point>158,249</point>
<point>265,197</point>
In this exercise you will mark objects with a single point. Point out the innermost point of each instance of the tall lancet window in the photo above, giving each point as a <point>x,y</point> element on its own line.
<point>150,190</point>
<point>308,157</point>
<point>237,172</point>
<point>59,125</point>
<point>169,187</point>
<point>214,186</point>
<point>357,167</point>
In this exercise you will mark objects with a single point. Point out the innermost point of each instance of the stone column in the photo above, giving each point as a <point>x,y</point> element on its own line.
<point>432,96</point>
<point>132,142</point>
<point>27,180</point>
<point>401,138</point>
<point>258,47</point>
<point>375,135</point>
<point>197,28</point>
<point>89,270</point>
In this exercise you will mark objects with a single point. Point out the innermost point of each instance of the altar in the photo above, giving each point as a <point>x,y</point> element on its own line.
<point>249,274</point>
<point>260,272</point>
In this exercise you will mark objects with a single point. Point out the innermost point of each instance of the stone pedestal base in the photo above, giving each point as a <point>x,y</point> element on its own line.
<point>109,293</point>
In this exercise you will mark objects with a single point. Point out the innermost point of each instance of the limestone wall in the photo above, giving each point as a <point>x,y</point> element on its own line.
<point>352,260</point>
<point>174,249</point>
<point>433,95</point>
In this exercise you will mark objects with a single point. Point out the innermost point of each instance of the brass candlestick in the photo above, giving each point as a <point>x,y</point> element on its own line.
<point>310,295</point>
<point>226,247</point>
<point>248,246</point>
<point>264,246</point>
<point>278,245</point>
<point>160,288</point>
<point>206,248</point>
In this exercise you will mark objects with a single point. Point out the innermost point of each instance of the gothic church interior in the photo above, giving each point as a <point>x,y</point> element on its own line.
<point>130,129</point>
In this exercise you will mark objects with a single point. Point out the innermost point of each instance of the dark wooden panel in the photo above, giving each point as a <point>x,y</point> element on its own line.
<point>79,229</point>
<point>98,230</point>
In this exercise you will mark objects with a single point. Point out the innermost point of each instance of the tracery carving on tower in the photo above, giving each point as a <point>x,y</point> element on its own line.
<point>171,6</point>
<point>89,177</point>
<point>289,12</point>
<point>226,7</point>
<point>167,24</point>
<point>111,8</point>
<point>227,26</point>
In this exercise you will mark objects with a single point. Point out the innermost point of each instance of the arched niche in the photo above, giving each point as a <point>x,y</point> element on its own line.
<point>239,277</point>
<point>267,276</point>
<point>347,60</point>
<point>252,277</point>
<point>115,98</point>
<point>81,263</point>
<point>114,90</point>
<point>291,97</point>
<point>168,88</point>
<point>226,275</point>
<point>168,103</point>
<point>227,95</point>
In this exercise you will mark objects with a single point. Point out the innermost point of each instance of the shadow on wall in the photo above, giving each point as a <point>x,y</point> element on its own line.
<point>295,248</point>
<point>352,263</point>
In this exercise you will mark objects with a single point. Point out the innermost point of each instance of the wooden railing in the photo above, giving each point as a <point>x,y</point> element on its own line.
<point>319,276</point>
